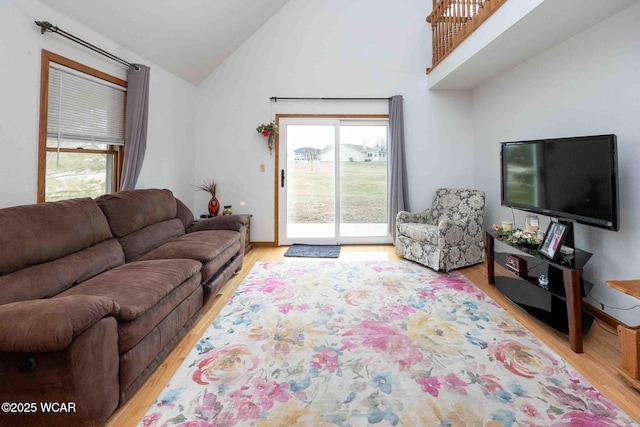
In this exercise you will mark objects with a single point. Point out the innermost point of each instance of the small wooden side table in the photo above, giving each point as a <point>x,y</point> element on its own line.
<point>630,369</point>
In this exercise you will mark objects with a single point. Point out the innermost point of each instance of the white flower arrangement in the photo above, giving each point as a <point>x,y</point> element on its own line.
<point>520,237</point>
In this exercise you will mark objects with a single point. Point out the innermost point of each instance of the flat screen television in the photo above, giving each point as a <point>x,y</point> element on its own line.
<point>573,179</point>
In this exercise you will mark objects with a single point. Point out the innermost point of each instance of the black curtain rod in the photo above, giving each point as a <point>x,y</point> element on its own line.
<point>48,27</point>
<point>276,98</point>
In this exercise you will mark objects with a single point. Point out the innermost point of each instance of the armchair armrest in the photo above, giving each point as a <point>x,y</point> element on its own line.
<point>457,232</point>
<point>224,222</point>
<point>422,217</point>
<point>50,324</point>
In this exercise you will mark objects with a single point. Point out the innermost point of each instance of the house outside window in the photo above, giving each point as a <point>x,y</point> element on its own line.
<point>81,139</point>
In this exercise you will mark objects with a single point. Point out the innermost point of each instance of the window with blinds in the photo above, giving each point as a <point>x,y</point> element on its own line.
<point>82,130</point>
<point>83,109</point>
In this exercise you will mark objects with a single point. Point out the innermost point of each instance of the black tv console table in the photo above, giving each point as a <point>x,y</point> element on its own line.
<point>558,305</point>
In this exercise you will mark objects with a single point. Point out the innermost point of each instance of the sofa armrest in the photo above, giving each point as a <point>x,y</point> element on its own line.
<point>50,324</point>
<point>224,222</point>
<point>422,217</point>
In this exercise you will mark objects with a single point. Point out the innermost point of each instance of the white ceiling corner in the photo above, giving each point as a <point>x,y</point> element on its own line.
<point>187,38</point>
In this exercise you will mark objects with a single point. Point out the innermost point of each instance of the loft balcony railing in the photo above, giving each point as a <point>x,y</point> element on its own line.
<point>452,21</point>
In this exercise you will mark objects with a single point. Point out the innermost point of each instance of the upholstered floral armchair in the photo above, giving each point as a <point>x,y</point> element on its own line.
<point>446,236</point>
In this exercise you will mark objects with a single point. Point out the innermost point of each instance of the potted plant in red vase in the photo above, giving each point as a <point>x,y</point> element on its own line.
<point>210,187</point>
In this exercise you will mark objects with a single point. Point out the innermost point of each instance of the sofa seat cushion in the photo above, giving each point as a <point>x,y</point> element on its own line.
<point>146,292</point>
<point>219,263</point>
<point>424,233</point>
<point>139,362</point>
<point>203,246</point>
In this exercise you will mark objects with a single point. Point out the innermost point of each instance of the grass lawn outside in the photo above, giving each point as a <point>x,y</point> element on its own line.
<point>363,191</point>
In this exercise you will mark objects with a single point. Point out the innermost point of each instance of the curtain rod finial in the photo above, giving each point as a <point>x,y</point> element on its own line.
<point>46,26</point>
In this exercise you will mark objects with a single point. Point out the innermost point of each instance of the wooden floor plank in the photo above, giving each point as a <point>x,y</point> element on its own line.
<point>601,346</point>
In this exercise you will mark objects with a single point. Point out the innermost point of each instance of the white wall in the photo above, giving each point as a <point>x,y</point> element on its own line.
<point>170,150</point>
<point>361,48</point>
<point>587,85</point>
<point>328,48</point>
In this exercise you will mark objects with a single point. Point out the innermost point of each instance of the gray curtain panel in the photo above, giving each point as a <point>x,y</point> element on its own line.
<point>398,195</point>
<point>136,124</point>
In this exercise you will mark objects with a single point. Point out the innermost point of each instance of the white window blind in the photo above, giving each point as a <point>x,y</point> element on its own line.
<point>83,109</point>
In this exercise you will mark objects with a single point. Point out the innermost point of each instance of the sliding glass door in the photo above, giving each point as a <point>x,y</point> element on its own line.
<point>333,181</point>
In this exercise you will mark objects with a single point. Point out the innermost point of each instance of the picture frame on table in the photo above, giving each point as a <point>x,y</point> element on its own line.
<point>553,239</point>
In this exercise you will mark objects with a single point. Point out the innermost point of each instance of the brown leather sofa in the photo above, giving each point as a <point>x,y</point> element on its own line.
<point>95,293</point>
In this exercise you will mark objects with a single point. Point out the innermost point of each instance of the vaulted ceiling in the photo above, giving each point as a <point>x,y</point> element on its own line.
<point>188,38</point>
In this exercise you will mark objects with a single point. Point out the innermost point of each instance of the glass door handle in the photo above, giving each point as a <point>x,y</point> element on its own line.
<point>282,178</point>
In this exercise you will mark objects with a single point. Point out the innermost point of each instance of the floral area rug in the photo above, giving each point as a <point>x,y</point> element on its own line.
<point>381,343</point>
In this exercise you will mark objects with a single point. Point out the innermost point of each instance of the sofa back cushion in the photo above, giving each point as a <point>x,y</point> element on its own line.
<point>142,220</point>
<point>48,247</point>
<point>48,279</point>
<point>147,239</point>
<point>132,210</point>
<point>34,234</point>
<point>185,214</point>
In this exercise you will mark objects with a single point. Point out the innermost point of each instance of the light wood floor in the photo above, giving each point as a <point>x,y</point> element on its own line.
<point>601,346</point>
